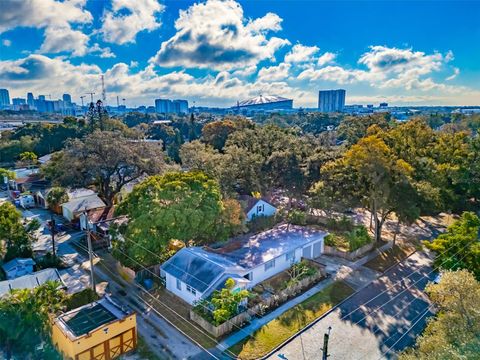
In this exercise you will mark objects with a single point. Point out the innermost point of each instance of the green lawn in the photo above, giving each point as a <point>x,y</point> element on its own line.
<point>276,331</point>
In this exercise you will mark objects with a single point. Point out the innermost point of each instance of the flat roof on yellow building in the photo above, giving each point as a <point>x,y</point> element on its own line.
<point>82,320</point>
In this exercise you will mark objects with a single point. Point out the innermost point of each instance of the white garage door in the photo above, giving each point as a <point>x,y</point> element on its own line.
<point>317,249</point>
<point>307,252</point>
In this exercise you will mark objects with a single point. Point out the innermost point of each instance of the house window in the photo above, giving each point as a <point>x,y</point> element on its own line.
<point>269,264</point>
<point>179,284</point>
<point>259,209</point>
<point>290,256</point>
<point>191,290</point>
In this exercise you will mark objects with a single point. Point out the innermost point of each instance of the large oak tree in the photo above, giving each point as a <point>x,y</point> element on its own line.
<point>107,160</point>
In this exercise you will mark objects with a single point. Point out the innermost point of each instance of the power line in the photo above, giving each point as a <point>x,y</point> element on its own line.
<point>402,309</point>
<point>408,287</point>
<point>156,311</point>
<point>183,271</point>
<point>169,308</point>
<point>248,335</point>
<point>406,332</point>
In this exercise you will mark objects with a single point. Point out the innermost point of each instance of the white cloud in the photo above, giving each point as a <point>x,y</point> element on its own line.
<point>269,22</point>
<point>456,72</point>
<point>64,38</point>
<point>102,52</point>
<point>216,35</point>
<point>6,42</point>
<point>121,29</point>
<point>42,13</point>
<point>42,74</point>
<point>56,17</point>
<point>274,73</point>
<point>249,70</point>
<point>383,59</point>
<point>326,58</point>
<point>335,74</point>
<point>301,53</point>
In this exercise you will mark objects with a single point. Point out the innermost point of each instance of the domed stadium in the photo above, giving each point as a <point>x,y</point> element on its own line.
<point>264,102</point>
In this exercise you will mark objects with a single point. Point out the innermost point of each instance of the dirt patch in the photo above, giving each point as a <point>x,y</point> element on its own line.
<point>390,257</point>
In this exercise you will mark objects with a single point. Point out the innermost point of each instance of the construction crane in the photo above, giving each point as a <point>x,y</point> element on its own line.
<point>104,94</point>
<point>91,95</point>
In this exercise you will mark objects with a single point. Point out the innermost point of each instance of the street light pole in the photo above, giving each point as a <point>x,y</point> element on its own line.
<point>90,251</point>
<point>325,344</point>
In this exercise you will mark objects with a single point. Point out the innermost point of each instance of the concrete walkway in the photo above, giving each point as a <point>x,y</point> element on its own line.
<point>257,323</point>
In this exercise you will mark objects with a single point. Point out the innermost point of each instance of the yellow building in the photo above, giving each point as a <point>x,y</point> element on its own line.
<point>101,330</point>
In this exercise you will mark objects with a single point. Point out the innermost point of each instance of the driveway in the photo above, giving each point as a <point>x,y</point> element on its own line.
<point>366,325</point>
<point>75,276</point>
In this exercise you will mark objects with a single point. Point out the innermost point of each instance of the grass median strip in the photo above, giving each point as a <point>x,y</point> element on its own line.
<point>290,322</point>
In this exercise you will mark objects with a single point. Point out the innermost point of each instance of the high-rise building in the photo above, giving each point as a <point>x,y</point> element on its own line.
<point>4,97</point>
<point>331,100</point>
<point>18,101</point>
<point>30,100</point>
<point>67,99</point>
<point>180,106</point>
<point>163,106</point>
<point>41,97</point>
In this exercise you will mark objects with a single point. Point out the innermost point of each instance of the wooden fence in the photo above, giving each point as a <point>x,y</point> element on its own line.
<point>262,308</point>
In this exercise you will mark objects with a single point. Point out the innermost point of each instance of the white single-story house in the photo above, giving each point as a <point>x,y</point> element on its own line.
<point>18,267</point>
<point>255,207</point>
<point>41,195</point>
<point>193,273</point>
<point>31,281</point>
<point>72,209</point>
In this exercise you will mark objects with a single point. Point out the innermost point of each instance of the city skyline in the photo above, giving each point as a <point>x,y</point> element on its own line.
<point>216,53</point>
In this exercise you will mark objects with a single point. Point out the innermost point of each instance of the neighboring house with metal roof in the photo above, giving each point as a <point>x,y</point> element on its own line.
<point>255,207</point>
<point>31,281</point>
<point>18,267</point>
<point>194,273</point>
<point>99,330</point>
<point>72,209</point>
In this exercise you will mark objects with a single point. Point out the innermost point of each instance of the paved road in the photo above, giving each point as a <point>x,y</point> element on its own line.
<point>367,332</point>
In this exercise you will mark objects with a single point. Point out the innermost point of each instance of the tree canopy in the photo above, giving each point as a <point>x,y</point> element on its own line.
<point>186,206</point>
<point>459,246</point>
<point>105,159</point>
<point>14,237</point>
<point>24,322</point>
<point>454,333</point>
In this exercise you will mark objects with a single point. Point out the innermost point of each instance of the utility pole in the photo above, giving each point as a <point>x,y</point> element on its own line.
<point>90,251</point>
<point>52,230</point>
<point>325,344</point>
